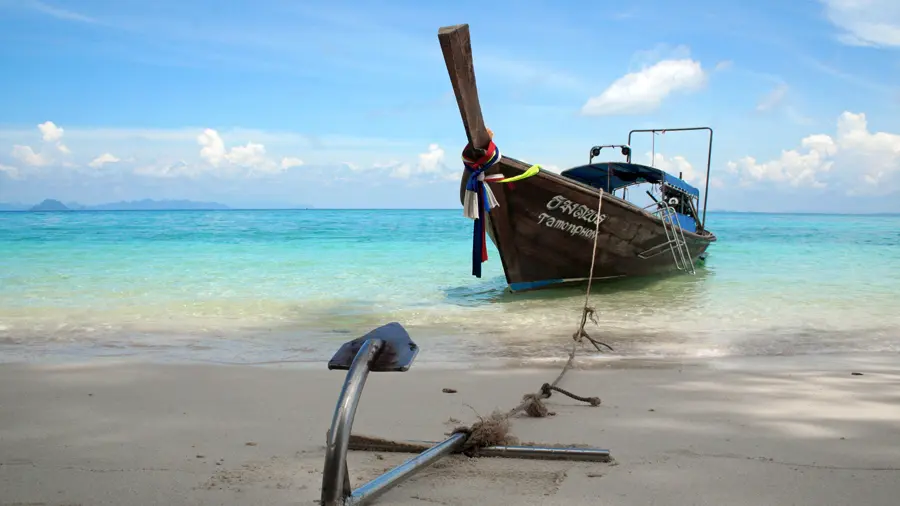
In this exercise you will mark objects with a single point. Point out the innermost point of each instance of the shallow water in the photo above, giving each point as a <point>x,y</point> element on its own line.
<point>262,286</point>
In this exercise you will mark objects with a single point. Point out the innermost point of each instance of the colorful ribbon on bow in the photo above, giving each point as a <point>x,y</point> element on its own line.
<point>479,198</point>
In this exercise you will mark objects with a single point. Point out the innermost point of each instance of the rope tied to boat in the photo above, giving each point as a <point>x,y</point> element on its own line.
<point>547,390</point>
<point>479,198</point>
<point>494,429</point>
<point>588,311</point>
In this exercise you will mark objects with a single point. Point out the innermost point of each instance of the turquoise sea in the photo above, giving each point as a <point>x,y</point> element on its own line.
<point>290,286</point>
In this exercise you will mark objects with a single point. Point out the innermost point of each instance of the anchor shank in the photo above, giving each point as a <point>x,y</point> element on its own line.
<point>373,489</point>
<point>335,482</point>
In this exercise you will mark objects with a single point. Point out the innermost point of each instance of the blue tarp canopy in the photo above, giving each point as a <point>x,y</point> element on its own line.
<point>623,174</point>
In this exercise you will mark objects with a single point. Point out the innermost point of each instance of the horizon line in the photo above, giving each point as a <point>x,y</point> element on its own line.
<point>719,211</point>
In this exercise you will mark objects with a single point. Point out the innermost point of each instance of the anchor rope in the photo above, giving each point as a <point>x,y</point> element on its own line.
<point>487,431</point>
<point>493,430</point>
<point>546,389</point>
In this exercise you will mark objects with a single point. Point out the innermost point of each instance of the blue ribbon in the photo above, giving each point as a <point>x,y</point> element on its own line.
<point>475,185</point>
<point>478,232</point>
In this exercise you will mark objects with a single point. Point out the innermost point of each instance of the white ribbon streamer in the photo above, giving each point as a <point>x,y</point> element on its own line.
<point>470,202</point>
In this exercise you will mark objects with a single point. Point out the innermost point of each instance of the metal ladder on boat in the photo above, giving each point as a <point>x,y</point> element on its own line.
<point>674,240</point>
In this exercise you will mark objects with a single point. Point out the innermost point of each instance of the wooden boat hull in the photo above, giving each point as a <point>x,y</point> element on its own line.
<point>544,226</point>
<point>544,229</point>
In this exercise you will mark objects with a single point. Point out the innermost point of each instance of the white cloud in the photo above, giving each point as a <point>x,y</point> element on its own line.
<point>432,160</point>
<point>53,134</point>
<point>643,91</point>
<point>102,160</point>
<point>208,153</point>
<point>865,22</point>
<point>251,156</point>
<point>865,161</point>
<point>179,143</point>
<point>401,171</point>
<point>773,98</point>
<point>50,134</point>
<point>676,165</point>
<point>878,152</point>
<point>168,170</point>
<point>12,172</point>
<point>429,163</point>
<point>394,168</point>
<point>290,162</point>
<point>793,167</point>
<point>213,149</point>
<point>26,155</point>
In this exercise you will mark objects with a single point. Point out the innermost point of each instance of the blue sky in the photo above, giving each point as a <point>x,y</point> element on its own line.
<point>348,104</point>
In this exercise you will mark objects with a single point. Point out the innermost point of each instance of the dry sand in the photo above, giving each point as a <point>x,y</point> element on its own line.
<point>775,431</point>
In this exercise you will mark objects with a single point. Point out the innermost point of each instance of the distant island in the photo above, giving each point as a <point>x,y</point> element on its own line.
<point>135,205</point>
<point>50,205</point>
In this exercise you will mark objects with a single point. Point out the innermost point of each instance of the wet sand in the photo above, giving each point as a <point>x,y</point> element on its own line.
<point>774,431</point>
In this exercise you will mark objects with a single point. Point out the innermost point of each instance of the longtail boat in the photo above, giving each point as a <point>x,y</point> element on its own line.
<point>545,225</point>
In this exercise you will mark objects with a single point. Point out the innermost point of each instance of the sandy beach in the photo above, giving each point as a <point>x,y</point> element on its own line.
<point>774,431</point>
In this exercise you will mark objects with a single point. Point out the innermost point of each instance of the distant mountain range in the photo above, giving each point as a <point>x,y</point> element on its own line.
<point>135,205</point>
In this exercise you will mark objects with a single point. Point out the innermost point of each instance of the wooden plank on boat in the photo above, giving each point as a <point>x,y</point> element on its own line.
<point>457,48</point>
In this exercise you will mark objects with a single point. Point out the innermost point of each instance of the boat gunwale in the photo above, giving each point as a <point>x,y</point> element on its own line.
<point>706,235</point>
